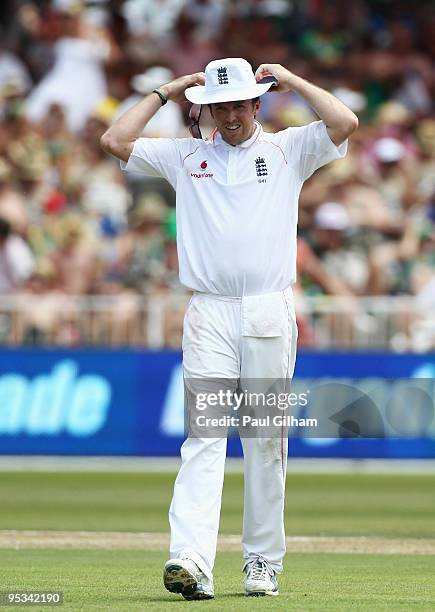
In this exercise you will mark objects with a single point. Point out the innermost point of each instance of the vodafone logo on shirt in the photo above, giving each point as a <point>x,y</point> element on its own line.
<point>203,166</point>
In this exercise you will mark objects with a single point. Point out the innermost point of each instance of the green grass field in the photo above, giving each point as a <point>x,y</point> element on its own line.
<point>121,580</point>
<point>317,505</point>
<point>327,504</point>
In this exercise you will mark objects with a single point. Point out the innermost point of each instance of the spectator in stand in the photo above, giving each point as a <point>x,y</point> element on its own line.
<point>425,170</point>
<point>16,259</point>
<point>31,163</point>
<point>393,120</point>
<point>169,122</point>
<point>417,251</point>
<point>14,74</point>
<point>408,265</point>
<point>327,42</point>
<point>395,177</point>
<point>103,196</point>
<point>45,324</point>
<point>12,202</point>
<point>77,80</point>
<point>153,18</point>
<point>187,54</point>
<point>207,15</point>
<point>367,209</point>
<point>75,260</point>
<point>416,70</point>
<point>340,256</point>
<point>142,248</point>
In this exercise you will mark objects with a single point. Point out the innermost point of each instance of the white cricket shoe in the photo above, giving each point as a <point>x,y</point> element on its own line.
<point>260,579</point>
<point>184,576</point>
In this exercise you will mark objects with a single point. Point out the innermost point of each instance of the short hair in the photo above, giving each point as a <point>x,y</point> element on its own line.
<point>5,228</point>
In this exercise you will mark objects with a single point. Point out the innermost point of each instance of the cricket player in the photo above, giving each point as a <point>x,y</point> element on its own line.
<point>237,207</point>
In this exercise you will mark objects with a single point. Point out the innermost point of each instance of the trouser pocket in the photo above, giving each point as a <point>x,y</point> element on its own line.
<point>264,316</point>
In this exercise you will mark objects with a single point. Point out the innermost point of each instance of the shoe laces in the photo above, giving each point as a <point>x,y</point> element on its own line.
<point>260,570</point>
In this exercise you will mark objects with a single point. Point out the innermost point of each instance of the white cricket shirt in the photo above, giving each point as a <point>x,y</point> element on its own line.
<point>237,206</point>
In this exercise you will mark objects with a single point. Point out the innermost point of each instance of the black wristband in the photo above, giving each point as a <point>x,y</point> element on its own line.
<point>163,98</point>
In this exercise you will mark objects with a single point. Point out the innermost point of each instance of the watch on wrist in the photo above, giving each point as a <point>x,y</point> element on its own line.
<point>163,98</point>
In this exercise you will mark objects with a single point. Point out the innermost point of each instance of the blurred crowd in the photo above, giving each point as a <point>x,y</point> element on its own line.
<point>71,223</point>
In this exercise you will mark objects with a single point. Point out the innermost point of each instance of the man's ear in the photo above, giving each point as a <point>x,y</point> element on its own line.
<point>257,105</point>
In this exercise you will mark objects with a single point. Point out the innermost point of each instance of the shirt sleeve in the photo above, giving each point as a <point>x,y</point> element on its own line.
<point>156,157</point>
<point>310,147</point>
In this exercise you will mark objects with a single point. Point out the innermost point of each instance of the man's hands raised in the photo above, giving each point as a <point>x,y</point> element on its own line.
<point>340,121</point>
<point>281,74</point>
<point>175,89</point>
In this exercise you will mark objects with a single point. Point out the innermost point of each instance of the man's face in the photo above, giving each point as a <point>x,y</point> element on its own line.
<point>235,120</point>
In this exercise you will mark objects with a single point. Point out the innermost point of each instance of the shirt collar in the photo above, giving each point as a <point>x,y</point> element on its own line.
<point>218,140</point>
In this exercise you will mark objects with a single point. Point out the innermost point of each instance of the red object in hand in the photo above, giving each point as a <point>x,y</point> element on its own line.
<point>204,165</point>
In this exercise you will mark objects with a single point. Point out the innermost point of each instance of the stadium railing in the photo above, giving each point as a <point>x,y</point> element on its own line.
<point>399,323</point>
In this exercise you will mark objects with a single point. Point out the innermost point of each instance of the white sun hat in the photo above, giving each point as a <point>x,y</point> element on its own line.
<point>332,216</point>
<point>152,78</point>
<point>389,150</point>
<point>227,80</point>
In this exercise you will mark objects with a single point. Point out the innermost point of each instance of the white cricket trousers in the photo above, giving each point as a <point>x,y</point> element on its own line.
<point>250,338</point>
